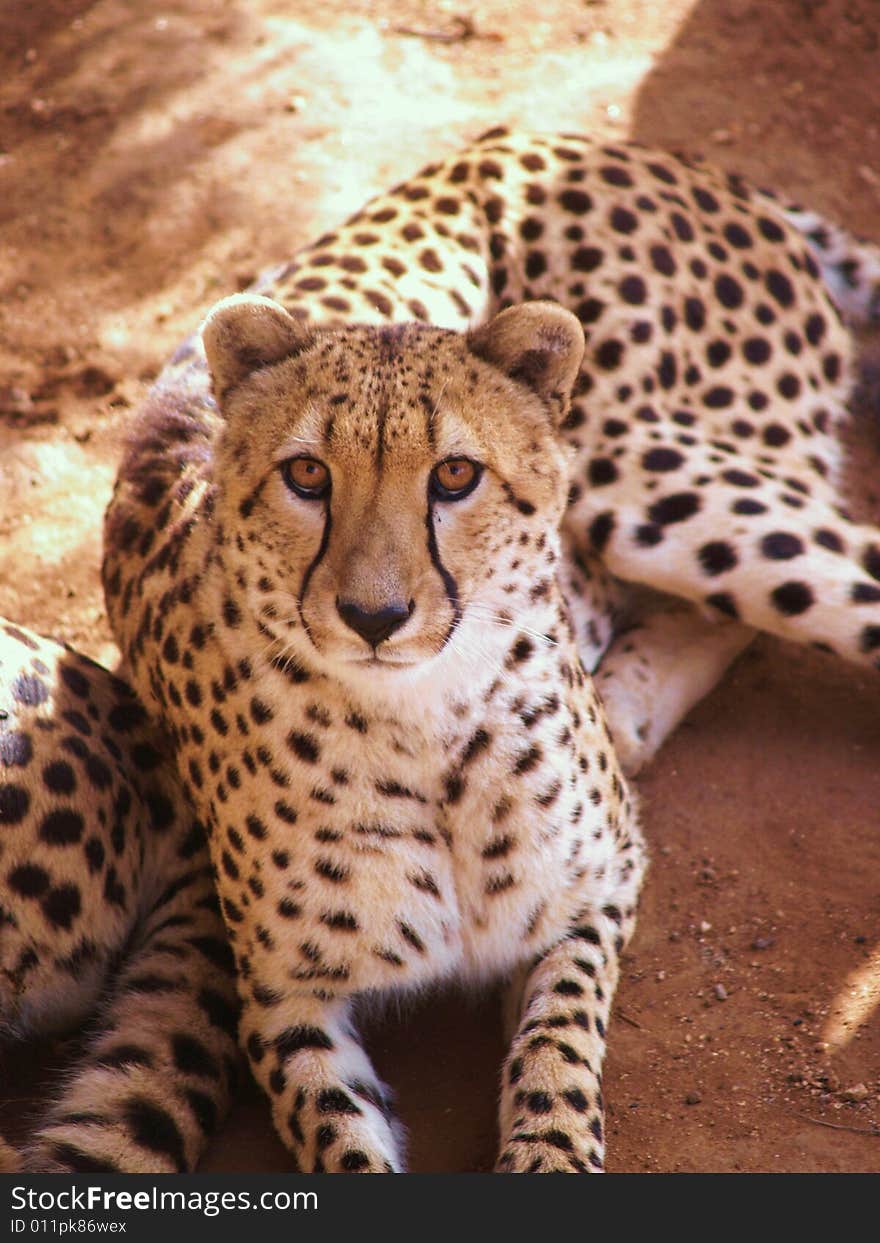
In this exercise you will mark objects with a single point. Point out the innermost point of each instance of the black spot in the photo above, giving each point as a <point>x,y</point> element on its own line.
<point>649,534</point>
<point>830,540</point>
<point>95,854</point>
<point>305,746</point>
<point>694,314</point>
<point>705,199</point>
<point>353,1160</point>
<point>528,760</point>
<point>334,872</point>
<point>535,265</point>
<point>62,828</point>
<point>16,749</point>
<point>335,1101</point>
<point>623,221</point>
<point>865,593</point>
<point>781,546</point>
<point>717,353</point>
<point>14,803</point>
<point>775,435</point>
<point>61,906</point>
<point>73,1159</point>
<point>609,354</point>
<point>728,291</point>
<point>602,471</point>
<point>814,329</point>
<point>601,530</point>
<point>633,290</point>
<point>779,287</point>
<point>871,561</point>
<point>342,921</point>
<point>203,1108</point>
<point>661,258</point>
<point>59,778</point>
<point>294,1039</point>
<point>155,1129</point>
<point>192,1058</point>
<point>719,397</point>
<point>29,880</point>
<point>793,598</point>
<point>737,236</point>
<point>667,372</point>
<point>675,508</point>
<point>770,229</point>
<point>98,773</point>
<point>717,557</point>
<point>576,201</point>
<point>586,259</point>
<point>615,175</point>
<point>740,478</point>
<point>788,386</point>
<point>29,690</point>
<point>220,1012</point>
<point>662,459</point>
<point>756,350</point>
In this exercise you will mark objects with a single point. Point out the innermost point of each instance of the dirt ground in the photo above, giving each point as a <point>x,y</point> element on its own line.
<point>153,157</point>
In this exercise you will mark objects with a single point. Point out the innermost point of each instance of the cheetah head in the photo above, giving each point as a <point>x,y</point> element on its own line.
<point>395,492</point>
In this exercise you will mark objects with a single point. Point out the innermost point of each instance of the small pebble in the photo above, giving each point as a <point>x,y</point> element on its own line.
<point>720,992</point>
<point>763,943</point>
<point>857,1093</point>
<point>692,1098</point>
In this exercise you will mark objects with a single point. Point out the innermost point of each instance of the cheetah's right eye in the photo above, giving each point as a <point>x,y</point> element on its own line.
<point>307,477</point>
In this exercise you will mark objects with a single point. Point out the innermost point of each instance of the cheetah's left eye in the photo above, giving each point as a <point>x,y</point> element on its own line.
<point>455,478</point>
<point>306,476</point>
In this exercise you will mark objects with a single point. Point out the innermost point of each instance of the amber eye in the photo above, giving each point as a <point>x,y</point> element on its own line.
<point>306,476</point>
<point>455,478</point>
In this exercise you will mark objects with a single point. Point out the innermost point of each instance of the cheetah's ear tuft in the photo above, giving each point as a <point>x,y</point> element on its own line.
<point>246,332</point>
<point>539,344</point>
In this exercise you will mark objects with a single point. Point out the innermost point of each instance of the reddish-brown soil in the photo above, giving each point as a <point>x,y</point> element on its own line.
<point>152,159</point>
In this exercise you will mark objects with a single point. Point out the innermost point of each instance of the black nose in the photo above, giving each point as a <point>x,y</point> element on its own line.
<point>374,627</point>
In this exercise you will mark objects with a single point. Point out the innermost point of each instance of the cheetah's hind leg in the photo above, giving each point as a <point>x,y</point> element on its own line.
<point>102,861</point>
<point>665,657</point>
<point>154,1081</point>
<point>652,656</point>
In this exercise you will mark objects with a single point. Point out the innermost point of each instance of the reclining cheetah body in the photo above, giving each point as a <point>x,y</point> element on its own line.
<point>374,830</point>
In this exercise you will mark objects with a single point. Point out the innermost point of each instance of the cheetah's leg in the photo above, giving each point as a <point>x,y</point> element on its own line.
<point>155,1081</point>
<point>551,1096</point>
<point>800,571</point>
<point>657,668</point>
<point>329,1107</point>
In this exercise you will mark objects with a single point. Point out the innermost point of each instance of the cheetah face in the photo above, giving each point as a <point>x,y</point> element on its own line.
<point>393,490</point>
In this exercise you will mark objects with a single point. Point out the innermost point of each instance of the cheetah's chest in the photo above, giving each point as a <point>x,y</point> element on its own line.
<point>373,858</point>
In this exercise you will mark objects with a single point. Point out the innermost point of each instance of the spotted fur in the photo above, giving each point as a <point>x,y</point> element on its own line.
<point>101,861</point>
<point>445,800</point>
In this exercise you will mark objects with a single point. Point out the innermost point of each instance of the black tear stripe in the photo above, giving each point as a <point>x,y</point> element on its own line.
<point>448,581</point>
<point>313,565</point>
<point>381,421</point>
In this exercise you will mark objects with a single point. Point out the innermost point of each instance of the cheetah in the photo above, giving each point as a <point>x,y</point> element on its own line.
<point>107,912</point>
<point>548,404</point>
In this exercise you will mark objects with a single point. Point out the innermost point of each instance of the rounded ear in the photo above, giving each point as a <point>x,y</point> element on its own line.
<point>246,332</point>
<point>539,344</point>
